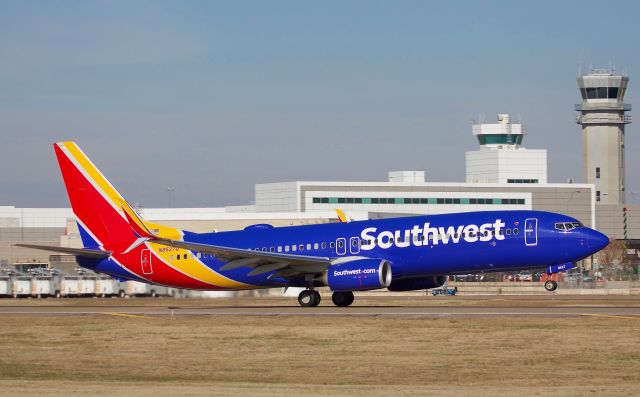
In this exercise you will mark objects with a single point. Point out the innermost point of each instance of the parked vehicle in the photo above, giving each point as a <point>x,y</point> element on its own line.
<point>106,286</point>
<point>444,291</point>
<point>69,285</point>
<point>525,276</point>
<point>136,288</point>
<point>5,286</point>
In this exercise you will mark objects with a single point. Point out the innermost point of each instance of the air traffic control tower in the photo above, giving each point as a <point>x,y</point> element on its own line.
<point>602,117</point>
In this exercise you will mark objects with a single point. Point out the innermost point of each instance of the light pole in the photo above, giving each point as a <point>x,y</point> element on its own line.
<point>570,197</point>
<point>170,190</point>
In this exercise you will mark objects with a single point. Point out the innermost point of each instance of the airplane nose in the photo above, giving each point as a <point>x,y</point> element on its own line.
<point>596,240</point>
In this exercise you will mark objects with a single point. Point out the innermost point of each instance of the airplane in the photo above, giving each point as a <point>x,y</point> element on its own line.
<point>399,254</point>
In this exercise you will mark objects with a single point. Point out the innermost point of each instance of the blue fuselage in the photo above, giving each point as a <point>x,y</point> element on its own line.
<point>417,246</point>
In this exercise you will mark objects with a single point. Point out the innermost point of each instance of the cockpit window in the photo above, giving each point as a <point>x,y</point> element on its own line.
<point>566,226</point>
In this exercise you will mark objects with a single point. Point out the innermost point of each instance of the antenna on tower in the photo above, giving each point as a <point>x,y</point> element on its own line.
<point>581,62</point>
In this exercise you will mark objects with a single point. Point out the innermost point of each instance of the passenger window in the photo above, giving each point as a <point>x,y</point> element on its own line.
<point>264,249</point>
<point>308,247</point>
<point>170,257</point>
<point>286,248</point>
<point>324,245</point>
<point>332,245</point>
<point>341,244</point>
<point>294,248</point>
<point>198,255</point>
<point>315,246</point>
<point>272,249</point>
<point>279,248</point>
<point>508,231</point>
<point>301,247</point>
<point>515,230</point>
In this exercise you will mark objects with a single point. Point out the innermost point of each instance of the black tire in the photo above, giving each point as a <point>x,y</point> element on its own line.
<point>57,294</point>
<point>306,298</point>
<point>122,294</point>
<point>316,298</point>
<point>550,285</point>
<point>154,294</point>
<point>342,299</point>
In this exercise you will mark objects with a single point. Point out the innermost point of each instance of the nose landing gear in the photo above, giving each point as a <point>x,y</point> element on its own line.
<point>551,285</point>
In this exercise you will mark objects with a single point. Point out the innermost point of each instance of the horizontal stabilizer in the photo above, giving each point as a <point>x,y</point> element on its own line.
<point>88,253</point>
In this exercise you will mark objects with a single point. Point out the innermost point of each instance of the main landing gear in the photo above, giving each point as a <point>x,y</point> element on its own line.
<point>551,285</point>
<point>309,298</point>
<point>342,299</point>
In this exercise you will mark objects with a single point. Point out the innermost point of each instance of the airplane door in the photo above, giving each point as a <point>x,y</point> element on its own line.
<point>354,245</point>
<point>531,232</point>
<point>145,261</point>
<point>341,246</point>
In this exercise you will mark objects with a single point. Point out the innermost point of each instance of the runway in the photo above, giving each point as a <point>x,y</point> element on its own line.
<point>355,311</point>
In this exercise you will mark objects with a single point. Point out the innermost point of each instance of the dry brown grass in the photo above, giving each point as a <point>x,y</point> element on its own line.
<point>224,355</point>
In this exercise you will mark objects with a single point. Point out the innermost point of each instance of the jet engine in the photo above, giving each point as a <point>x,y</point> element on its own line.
<point>359,275</point>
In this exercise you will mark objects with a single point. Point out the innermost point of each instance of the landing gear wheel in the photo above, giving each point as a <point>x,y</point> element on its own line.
<point>309,298</point>
<point>550,285</point>
<point>342,299</point>
<point>316,297</point>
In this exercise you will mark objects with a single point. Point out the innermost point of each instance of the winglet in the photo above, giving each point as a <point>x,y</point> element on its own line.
<point>342,217</point>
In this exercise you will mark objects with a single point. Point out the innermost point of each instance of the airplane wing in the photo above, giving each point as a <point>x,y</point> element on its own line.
<point>284,264</point>
<point>89,253</point>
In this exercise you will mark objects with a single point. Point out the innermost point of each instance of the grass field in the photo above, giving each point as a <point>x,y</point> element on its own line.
<point>329,355</point>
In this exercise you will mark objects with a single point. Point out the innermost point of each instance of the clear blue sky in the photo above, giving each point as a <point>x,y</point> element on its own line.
<point>213,97</point>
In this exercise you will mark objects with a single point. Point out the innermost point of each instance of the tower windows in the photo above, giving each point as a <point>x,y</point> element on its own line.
<point>597,172</point>
<point>601,93</point>
<point>598,195</point>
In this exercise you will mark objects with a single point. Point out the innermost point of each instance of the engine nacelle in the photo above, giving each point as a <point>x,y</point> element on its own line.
<point>411,284</point>
<point>360,275</point>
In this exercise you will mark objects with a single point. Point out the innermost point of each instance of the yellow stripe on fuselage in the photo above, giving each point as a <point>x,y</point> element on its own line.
<point>194,268</point>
